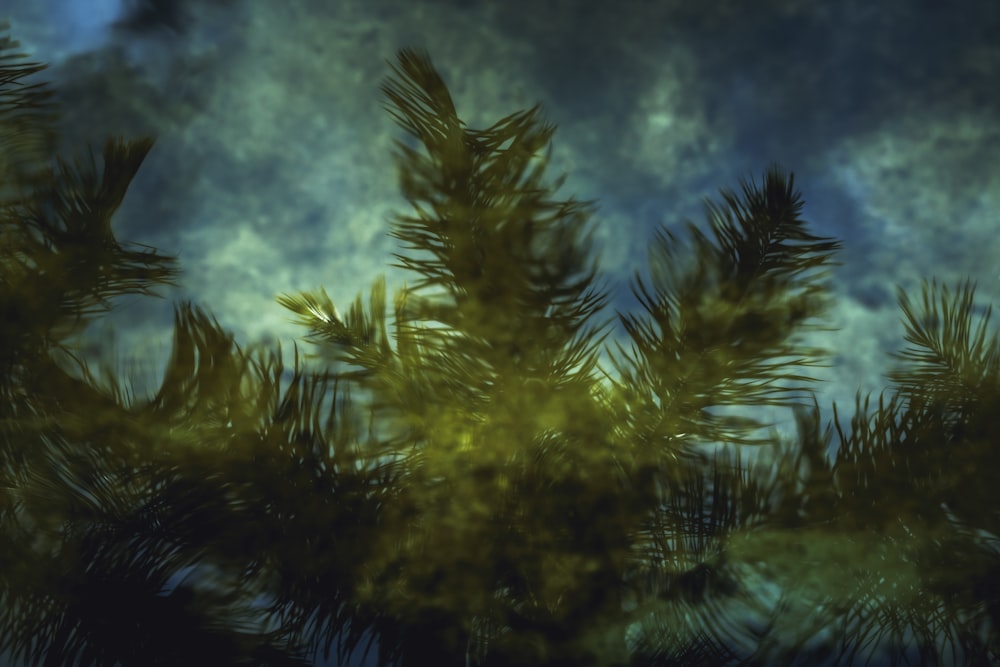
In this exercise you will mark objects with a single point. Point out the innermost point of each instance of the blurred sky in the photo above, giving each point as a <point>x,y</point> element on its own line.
<point>273,170</point>
<point>60,28</point>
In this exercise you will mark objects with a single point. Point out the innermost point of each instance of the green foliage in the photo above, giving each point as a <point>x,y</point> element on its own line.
<point>27,117</point>
<point>723,326</point>
<point>470,486</point>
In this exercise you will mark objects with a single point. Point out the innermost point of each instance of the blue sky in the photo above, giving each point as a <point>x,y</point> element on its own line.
<point>72,26</point>
<point>280,179</point>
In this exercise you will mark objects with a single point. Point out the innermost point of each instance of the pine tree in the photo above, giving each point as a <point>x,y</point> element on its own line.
<point>475,487</point>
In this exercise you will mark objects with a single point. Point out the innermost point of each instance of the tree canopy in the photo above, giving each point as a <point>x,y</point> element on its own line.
<point>471,485</point>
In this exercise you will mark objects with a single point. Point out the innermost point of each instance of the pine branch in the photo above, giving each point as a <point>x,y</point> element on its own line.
<point>722,329</point>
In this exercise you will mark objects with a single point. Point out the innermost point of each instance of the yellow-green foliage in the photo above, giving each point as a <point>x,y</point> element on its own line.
<point>466,483</point>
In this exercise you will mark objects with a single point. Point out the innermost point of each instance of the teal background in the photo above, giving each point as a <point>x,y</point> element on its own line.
<point>273,168</point>
<point>273,172</point>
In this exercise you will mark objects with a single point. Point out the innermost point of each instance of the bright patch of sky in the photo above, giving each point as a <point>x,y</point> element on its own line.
<point>61,28</point>
<point>84,23</point>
